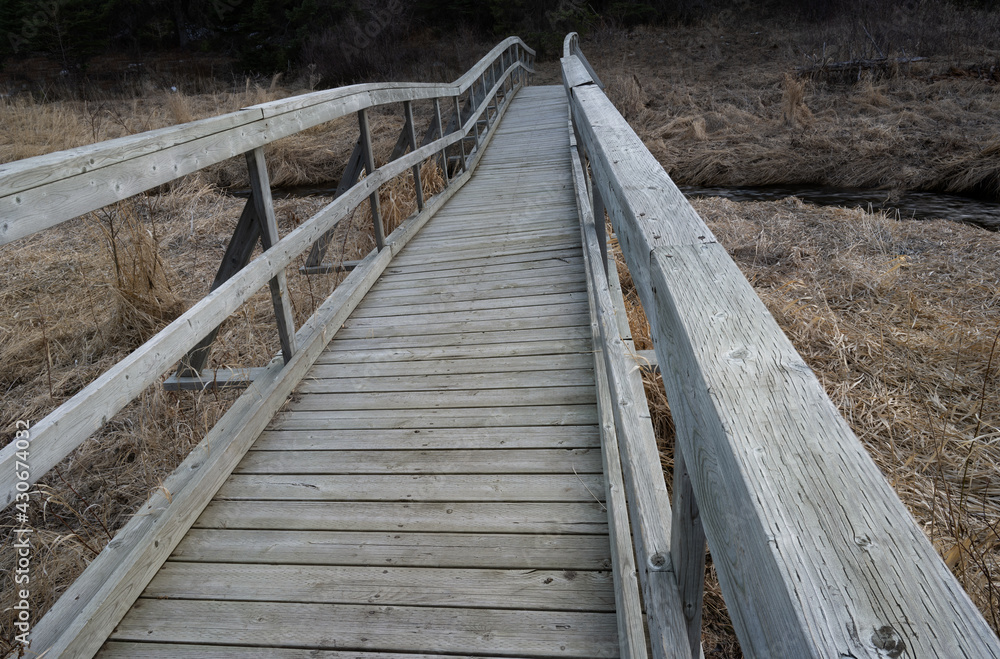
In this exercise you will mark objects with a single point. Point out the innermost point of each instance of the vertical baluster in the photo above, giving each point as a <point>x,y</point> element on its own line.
<point>599,225</point>
<point>260,186</point>
<point>687,551</point>
<point>408,110</point>
<point>461,142</point>
<point>366,147</point>
<point>440,132</point>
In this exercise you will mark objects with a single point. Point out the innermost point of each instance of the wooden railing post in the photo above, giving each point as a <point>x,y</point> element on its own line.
<point>600,226</point>
<point>408,110</point>
<point>461,142</point>
<point>366,150</point>
<point>687,550</point>
<point>260,185</point>
<point>440,131</point>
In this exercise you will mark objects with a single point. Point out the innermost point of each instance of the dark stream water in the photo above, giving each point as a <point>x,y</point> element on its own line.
<point>919,205</point>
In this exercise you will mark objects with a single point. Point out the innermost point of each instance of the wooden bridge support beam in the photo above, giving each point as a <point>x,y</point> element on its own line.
<point>366,150</point>
<point>260,185</point>
<point>257,222</point>
<point>411,132</point>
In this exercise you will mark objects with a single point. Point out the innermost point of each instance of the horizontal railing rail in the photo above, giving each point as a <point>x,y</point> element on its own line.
<point>69,183</point>
<point>815,553</point>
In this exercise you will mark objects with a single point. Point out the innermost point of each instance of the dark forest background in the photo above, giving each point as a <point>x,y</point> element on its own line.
<point>348,40</point>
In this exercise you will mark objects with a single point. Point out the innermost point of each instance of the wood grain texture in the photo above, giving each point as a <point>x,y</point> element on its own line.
<point>433,438</point>
<point>540,590</point>
<point>390,628</point>
<point>516,484</point>
<point>440,461</point>
<point>646,492</point>
<point>130,650</point>
<point>815,553</point>
<point>440,550</point>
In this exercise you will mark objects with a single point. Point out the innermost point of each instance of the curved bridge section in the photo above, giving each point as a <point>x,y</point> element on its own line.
<point>466,465</point>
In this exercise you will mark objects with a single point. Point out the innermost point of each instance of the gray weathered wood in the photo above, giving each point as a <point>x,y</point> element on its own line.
<point>815,553</point>
<point>442,550</point>
<point>82,619</point>
<point>538,590</point>
<point>436,517</point>
<point>411,132</point>
<point>687,551</point>
<point>648,501</point>
<point>628,605</point>
<point>488,486</point>
<point>314,262</point>
<point>438,461</point>
<point>528,437</point>
<point>531,633</point>
<point>260,186</point>
<point>369,160</point>
<point>216,378</point>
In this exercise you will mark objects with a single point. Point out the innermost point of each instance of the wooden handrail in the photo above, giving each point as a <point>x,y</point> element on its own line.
<point>816,555</point>
<point>37,193</point>
<point>76,419</point>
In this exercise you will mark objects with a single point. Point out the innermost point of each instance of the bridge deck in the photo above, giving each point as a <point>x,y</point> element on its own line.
<point>435,484</point>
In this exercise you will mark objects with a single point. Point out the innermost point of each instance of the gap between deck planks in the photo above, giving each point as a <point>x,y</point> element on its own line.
<point>435,484</point>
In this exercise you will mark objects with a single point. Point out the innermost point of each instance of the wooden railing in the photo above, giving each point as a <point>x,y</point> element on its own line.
<point>815,553</point>
<point>42,192</point>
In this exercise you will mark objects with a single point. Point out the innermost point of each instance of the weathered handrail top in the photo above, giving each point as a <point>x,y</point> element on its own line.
<point>816,554</point>
<point>40,192</point>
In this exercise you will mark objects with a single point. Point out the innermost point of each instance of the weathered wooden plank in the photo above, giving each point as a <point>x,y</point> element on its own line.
<point>459,417</point>
<point>628,605</point>
<point>555,283</point>
<point>648,501</point>
<point>371,354</point>
<point>459,294</point>
<point>439,461</point>
<point>435,517</point>
<point>484,268</point>
<point>414,319</point>
<point>427,400</point>
<point>481,365</point>
<point>539,590</point>
<point>547,245</point>
<point>139,650</point>
<point>368,311</point>
<point>429,438</point>
<point>563,255</point>
<point>466,338</point>
<point>444,550</point>
<point>391,628</point>
<point>362,485</point>
<point>326,379</point>
<point>482,276</point>
<point>389,326</point>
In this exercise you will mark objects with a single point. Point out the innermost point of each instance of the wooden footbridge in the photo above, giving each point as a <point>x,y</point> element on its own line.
<point>453,456</point>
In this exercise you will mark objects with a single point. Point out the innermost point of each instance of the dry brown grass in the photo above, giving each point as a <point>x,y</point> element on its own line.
<point>721,104</point>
